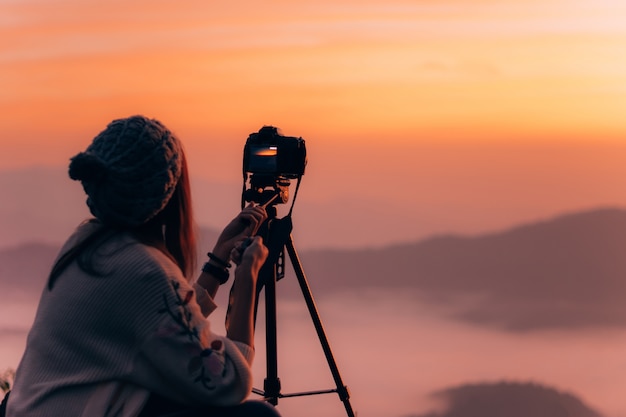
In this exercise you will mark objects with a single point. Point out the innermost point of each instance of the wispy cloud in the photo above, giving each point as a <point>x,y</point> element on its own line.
<point>513,65</point>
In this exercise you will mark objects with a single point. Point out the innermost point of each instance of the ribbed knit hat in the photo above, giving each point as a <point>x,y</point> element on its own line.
<point>129,171</point>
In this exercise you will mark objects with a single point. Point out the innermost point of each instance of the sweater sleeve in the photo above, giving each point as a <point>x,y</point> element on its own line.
<point>188,363</point>
<point>206,303</point>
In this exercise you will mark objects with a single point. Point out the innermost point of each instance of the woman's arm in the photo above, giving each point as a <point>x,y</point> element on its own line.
<point>202,367</point>
<point>240,317</point>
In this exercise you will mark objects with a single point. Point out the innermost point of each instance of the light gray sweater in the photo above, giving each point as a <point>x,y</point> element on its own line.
<point>100,344</point>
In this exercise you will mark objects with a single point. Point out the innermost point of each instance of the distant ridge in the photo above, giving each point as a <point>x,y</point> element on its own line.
<point>565,272</point>
<point>39,203</point>
<point>510,399</point>
<point>24,268</point>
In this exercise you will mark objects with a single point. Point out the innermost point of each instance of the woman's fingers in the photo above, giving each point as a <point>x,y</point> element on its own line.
<point>253,216</point>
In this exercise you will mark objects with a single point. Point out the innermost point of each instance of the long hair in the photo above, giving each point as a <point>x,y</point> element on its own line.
<point>177,224</point>
<point>172,230</point>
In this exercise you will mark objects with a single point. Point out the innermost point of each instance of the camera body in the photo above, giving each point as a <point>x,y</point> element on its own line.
<point>270,154</point>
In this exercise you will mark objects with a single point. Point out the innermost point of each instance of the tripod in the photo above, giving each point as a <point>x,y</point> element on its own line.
<point>276,234</point>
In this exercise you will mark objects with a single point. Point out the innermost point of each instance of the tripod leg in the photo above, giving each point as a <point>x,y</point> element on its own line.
<point>267,282</point>
<point>271,385</point>
<point>342,389</point>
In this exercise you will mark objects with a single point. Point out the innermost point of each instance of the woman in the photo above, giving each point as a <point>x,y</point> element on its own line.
<point>121,330</point>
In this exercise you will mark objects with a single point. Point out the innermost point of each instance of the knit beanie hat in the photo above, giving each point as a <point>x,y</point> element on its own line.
<point>130,171</point>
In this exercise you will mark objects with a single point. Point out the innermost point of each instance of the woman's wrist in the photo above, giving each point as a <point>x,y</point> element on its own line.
<point>215,270</point>
<point>222,252</point>
<point>218,272</point>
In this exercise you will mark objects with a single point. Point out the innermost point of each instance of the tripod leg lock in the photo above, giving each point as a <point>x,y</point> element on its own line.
<point>272,389</point>
<point>344,393</point>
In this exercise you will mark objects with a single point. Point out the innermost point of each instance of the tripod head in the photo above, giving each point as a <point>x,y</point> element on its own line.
<point>274,231</point>
<point>266,190</point>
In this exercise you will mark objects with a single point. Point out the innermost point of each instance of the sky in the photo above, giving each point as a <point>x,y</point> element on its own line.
<point>433,115</point>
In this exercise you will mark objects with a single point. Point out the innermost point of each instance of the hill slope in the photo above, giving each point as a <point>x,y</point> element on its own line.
<point>511,400</point>
<point>565,272</point>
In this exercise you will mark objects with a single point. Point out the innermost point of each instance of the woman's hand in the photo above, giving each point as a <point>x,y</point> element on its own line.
<point>245,225</point>
<point>250,253</point>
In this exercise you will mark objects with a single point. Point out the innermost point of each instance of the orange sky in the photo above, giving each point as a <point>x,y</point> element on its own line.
<point>428,101</point>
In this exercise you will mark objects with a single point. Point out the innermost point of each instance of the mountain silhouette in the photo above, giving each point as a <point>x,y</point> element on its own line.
<point>511,399</point>
<point>24,269</point>
<point>563,273</point>
<point>39,203</point>
<point>560,273</point>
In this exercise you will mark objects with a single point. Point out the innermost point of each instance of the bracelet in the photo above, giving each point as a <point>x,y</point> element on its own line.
<point>217,272</point>
<point>219,260</point>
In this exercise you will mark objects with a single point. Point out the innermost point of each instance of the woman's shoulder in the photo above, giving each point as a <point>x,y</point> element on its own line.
<point>127,250</point>
<point>121,257</point>
<point>121,250</point>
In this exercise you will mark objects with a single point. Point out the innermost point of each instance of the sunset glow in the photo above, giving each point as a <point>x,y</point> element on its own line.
<point>416,70</point>
<point>523,97</point>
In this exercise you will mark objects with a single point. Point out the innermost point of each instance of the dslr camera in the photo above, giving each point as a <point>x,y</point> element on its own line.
<point>269,153</point>
<point>272,160</point>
